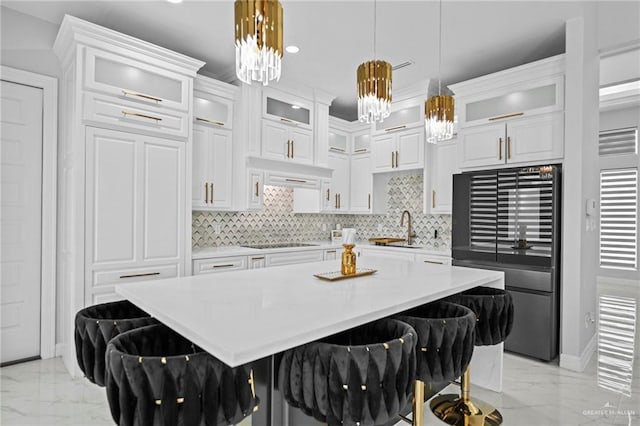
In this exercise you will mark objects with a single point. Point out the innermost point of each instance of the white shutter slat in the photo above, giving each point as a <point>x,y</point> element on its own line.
<point>619,141</point>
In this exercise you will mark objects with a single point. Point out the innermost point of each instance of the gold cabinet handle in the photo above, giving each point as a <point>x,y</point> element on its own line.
<point>361,150</point>
<point>397,155</point>
<point>393,156</point>
<point>295,180</point>
<point>137,114</point>
<point>328,194</point>
<point>499,148</point>
<point>336,197</point>
<point>258,258</point>
<point>434,262</point>
<point>292,142</point>
<point>508,147</point>
<point>288,148</point>
<point>149,274</point>
<point>433,199</point>
<point>333,148</point>
<point>141,95</point>
<point>369,201</point>
<point>286,120</point>
<point>390,129</point>
<point>339,201</point>
<point>215,123</point>
<point>206,193</point>
<point>257,189</point>
<point>211,193</point>
<point>500,117</point>
<point>228,265</point>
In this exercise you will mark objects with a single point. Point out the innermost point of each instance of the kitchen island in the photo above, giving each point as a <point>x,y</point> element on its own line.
<point>250,315</point>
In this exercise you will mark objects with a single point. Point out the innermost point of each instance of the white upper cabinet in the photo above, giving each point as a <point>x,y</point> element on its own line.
<point>513,116</point>
<point>340,182</point>
<point>285,108</point>
<point>135,80</point>
<point>402,150</point>
<point>361,184</point>
<point>338,140</point>
<point>444,164</point>
<point>256,189</point>
<point>404,115</point>
<point>212,110</point>
<point>212,172</point>
<point>285,142</point>
<point>361,142</point>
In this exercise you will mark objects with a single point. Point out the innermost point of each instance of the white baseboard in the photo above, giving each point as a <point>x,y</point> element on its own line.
<point>59,349</point>
<point>579,363</point>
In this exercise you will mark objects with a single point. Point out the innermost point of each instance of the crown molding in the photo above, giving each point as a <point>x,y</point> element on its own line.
<point>208,84</point>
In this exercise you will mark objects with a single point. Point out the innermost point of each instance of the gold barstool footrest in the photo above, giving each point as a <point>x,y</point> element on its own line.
<point>454,411</point>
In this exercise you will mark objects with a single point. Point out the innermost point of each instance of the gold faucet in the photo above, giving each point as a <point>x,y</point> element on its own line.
<point>410,232</point>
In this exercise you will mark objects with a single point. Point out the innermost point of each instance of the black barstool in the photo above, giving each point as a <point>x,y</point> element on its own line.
<point>494,310</point>
<point>157,377</point>
<point>96,325</point>
<point>363,376</point>
<point>445,334</point>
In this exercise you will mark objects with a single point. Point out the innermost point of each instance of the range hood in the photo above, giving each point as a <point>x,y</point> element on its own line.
<point>293,175</point>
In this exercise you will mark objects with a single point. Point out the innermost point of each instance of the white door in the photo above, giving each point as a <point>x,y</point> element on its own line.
<point>221,173</point>
<point>445,165</point>
<point>275,141</point>
<point>361,183</point>
<point>301,146</point>
<point>382,151</point>
<point>199,181</point>
<point>410,154</point>
<point>339,181</point>
<point>482,146</point>
<point>538,138</point>
<point>20,200</point>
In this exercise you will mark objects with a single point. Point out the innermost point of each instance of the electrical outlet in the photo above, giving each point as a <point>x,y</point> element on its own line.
<point>216,228</point>
<point>380,228</point>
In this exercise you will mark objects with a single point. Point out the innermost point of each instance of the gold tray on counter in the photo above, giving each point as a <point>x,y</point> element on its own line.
<point>385,240</point>
<point>337,275</point>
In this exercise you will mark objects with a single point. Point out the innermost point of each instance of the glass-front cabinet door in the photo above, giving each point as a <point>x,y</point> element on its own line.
<point>286,108</point>
<point>212,110</point>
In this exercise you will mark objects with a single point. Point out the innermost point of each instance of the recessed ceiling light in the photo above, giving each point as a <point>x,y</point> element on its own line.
<point>292,49</point>
<point>174,1</point>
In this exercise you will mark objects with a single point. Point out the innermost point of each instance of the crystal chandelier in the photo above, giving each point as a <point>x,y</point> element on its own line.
<point>438,110</point>
<point>374,86</point>
<point>258,40</point>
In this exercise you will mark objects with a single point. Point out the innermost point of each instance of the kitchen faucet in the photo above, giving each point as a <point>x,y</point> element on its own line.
<point>410,233</point>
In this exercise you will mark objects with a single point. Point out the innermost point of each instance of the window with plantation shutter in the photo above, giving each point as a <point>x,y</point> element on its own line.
<point>618,141</point>
<point>619,218</point>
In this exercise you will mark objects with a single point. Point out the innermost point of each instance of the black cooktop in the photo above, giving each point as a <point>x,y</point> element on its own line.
<point>277,245</point>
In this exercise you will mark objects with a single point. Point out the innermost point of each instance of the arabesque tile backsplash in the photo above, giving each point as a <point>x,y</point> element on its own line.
<point>278,223</point>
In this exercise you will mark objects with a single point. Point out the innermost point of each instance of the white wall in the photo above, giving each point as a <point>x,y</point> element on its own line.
<point>620,118</point>
<point>27,42</point>
<point>580,183</point>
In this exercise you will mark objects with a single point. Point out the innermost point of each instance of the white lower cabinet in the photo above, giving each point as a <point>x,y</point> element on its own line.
<point>433,259</point>
<point>290,258</point>
<point>134,208</point>
<point>331,254</point>
<point>388,254</point>
<point>219,264</point>
<point>256,262</point>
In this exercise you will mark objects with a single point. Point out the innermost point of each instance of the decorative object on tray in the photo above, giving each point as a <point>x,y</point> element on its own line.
<point>337,275</point>
<point>348,266</point>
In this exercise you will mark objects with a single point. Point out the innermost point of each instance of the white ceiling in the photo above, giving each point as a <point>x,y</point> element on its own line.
<point>479,37</point>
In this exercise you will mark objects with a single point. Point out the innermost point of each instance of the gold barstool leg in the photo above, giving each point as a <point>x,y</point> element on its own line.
<point>418,403</point>
<point>462,411</point>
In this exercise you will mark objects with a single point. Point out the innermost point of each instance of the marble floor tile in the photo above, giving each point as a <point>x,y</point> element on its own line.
<point>535,394</point>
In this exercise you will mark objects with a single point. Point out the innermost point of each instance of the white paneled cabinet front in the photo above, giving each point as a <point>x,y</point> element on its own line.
<point>482,146</point>
<point>444,165</point>
<point>401,150</point>
<point>289,258</point>
<point>339,197</point>
<point>219,264</point>
<point>134,206</point>
<point>286,142</point>
<point>212,173</point>
<point>361,184</point>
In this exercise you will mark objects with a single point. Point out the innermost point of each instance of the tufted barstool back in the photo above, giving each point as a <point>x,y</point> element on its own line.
<point>494,311</point>
<point>445,340</point>
<point>363,376</point>
<point>96,325</point>
<point>157,377</point>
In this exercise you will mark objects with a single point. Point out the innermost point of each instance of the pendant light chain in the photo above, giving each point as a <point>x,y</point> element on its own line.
<point>375,27</point>
<point>440,51</point>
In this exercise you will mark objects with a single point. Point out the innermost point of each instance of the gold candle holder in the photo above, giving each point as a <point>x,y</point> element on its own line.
<point>348,260</point>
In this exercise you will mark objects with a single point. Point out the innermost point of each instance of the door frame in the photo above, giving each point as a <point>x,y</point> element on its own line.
<point>49,86</point>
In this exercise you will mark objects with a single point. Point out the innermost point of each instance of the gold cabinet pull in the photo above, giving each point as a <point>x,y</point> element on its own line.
<point>339,201</point>
<point>288,148</point>
<point>433,199</point>
<point>336,203</point>
<point>206,193</point>
<point>137,114</point>
<point>508,147</point>
<point>328,194</point>
<point>390,129</point>
<point>333,148</point>
<point>361,150</point>
<point>286,120</point>
<point>397,156</point>
<point>258,258</point>
<point>393,156</point>
<point>499,148</point>
<point>257,188</point>
<point>295,180</point>
<point>148,274</point>
<point>500,117</point>
<point>292,142</point>
<point>228,265</point>
<point>141,95</point>
<point>215,123</point>
<point>434,262</point>
<point>211,193</point>
<point>369,201</point>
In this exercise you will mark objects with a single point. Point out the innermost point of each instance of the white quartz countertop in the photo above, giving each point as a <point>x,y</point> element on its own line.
<point>244,316</point>
<point>223,251</point>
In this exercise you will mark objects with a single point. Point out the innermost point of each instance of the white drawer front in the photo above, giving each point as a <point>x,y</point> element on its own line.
<point>289,258</point>
<point>436,260</point>
<point>130,115</point>
<point>138,81</point>
<point>219,264</point>
<point>120,276</point>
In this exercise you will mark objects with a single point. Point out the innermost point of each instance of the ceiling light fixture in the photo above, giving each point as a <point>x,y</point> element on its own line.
<point>374,85</point>
<point>292,49</point>
<point>175,1</point>
<point>439,109</point>
<point>258,40</point>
